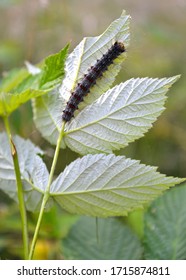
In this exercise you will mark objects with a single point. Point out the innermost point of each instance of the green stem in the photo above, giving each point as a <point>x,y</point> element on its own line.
<point>20,193</point>
<point>47,192</point>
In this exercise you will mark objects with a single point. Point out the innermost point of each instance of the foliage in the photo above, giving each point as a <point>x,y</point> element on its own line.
<point>100,183</point>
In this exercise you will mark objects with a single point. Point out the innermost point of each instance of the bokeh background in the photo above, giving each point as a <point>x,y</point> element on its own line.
<point>31,30</point>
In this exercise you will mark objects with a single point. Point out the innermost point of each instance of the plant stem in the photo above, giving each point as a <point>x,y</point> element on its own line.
<point>20,193</point>
<point>47,192</point>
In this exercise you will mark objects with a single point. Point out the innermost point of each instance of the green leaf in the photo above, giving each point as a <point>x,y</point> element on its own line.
<point>17,81</point>
<point>78,62</point>
<point>30,82</point>
<point>9,102</point>
<point>120,116</point>
<point>109,239</point>
<point>100,185</point>
<point>12,79</point>
<point>165,226</point>
<point>33,171</point>
<point>53,69</point>
<point>19,86</point>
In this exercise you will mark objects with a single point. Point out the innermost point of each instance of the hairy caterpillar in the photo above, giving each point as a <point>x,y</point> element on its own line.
<point>89,79</point>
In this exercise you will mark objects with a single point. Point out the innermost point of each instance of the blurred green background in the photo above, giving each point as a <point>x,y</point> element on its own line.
<point>31,30</point>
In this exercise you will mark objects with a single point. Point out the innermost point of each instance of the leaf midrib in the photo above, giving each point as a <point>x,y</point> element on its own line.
<point>110,189</point>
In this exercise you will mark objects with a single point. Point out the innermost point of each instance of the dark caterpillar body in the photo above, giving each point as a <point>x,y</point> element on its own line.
<point>90,78</point>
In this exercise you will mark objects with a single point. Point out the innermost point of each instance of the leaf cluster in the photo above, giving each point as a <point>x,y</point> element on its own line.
<point>99,184</point>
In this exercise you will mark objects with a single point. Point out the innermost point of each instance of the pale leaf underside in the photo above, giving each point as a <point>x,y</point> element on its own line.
<point>87,52</point>
<point>100,185</point>
<point>120,116</point>
<point>77,64</point>
<point>33,171</point>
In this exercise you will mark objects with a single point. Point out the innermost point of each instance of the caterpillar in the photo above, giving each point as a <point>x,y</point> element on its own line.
<point>89,79</point>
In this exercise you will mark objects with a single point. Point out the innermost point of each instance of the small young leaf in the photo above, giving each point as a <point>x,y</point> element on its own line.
<point>33,171</point>
<point>77,64</point>
<point>165,227</point>
<point>120,116</point>
<point>111,240</point>
<point>100,185</point>
<point>53,69</point>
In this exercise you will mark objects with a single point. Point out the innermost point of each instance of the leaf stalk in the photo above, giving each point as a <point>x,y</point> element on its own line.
<point>47,192</point>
